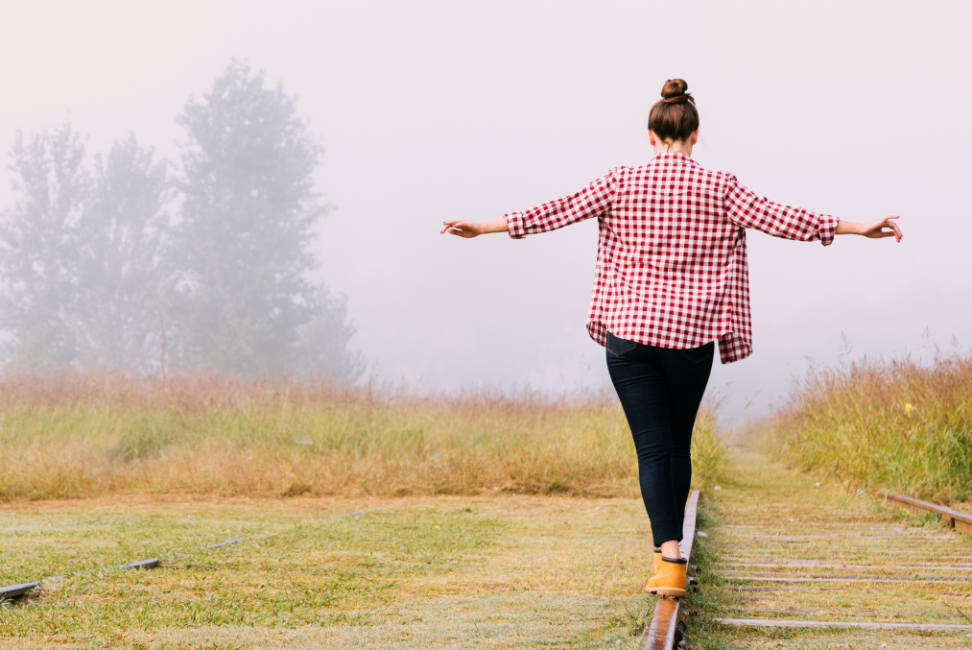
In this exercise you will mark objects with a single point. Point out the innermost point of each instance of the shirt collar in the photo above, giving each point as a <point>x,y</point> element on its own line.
<point>675,156</point>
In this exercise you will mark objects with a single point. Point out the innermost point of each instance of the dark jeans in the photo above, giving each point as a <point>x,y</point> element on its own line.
<point>660,390</point>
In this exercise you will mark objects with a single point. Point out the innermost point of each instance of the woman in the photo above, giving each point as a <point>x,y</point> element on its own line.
<point>671,279</point>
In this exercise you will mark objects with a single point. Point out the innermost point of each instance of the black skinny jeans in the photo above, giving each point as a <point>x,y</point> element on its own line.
<point>661,390</point>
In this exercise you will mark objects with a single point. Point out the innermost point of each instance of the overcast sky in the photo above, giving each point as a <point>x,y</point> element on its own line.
<point>439,110</point>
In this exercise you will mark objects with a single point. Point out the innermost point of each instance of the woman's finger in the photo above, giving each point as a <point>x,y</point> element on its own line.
<point>894,227</point>
<point>467,229</point>
<point>897,232</point>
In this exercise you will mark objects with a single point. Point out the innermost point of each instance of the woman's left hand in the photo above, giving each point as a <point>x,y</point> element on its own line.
<point>467,229</point>
<point>470,229</point>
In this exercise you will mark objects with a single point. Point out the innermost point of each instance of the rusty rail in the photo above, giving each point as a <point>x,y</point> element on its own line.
<point>666,630</point>
<point>16,591</point>
<point>951,518</point>
<point>142,564</point>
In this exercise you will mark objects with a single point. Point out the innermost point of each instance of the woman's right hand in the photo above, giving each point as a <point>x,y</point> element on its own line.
<point>876,229</point>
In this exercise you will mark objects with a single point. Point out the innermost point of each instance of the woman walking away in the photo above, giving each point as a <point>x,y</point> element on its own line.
<point>671,279</point>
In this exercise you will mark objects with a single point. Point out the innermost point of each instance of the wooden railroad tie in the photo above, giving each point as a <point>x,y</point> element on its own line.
<point>769,622</point>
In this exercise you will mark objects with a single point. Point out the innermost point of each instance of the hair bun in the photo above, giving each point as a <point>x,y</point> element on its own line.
<point>674,117</point>
<point>673,92</point>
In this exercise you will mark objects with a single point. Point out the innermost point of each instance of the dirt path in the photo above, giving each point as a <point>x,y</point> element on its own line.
<point>785,550</point>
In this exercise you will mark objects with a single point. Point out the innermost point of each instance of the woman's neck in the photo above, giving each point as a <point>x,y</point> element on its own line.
<point>683,147</point>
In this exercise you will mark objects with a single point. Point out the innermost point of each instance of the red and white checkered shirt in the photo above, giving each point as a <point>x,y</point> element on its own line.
<point>671,261</point>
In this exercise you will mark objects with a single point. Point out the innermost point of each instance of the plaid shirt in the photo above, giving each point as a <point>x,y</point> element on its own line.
<point>671,261</point>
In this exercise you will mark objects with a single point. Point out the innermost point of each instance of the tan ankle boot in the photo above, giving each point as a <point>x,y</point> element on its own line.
<point>657,562</point>
<point>669,579</point>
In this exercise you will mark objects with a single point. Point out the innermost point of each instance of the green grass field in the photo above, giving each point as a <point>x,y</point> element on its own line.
<point>492,571</point>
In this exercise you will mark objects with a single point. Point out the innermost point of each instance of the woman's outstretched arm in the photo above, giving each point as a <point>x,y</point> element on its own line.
<point>593,201</point>
<point>469,229</point>
<point>885,227</point>
<point>746,209</point>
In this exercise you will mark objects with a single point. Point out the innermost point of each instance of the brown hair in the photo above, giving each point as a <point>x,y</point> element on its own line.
<point>674,116</point>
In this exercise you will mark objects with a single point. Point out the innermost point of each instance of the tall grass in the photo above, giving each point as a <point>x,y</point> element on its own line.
<point>896,424</point>
<point>710,453</point>
<point>86,434</point>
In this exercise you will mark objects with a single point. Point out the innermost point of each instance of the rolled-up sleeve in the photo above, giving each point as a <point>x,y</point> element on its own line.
<point>592,201</point>
<point>746,209</point>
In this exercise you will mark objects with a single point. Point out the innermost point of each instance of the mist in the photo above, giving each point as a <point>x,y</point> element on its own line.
<point>98,274</point>
<point>433,110</point>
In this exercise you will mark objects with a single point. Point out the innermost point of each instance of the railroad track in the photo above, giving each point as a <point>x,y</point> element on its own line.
<point>17,591</point>
<point>809,567</point>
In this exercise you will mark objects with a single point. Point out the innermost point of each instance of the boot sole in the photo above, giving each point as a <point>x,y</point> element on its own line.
<point>666,591</point>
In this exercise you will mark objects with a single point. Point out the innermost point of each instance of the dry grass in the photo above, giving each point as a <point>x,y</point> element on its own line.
<point>73,435</point>
<point>896,424</point>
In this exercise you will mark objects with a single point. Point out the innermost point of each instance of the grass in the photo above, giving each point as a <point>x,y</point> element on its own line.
<point>480,572</point>
<point>79,435</point>
<point>372,518</point>
<point>898,424</point>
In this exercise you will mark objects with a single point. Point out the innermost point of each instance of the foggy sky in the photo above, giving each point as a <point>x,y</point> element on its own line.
<point>438,110</point>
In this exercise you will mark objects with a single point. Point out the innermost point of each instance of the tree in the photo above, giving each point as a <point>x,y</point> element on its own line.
<point>247,219</point>
<point>38,249</point>
<point>121,312</point>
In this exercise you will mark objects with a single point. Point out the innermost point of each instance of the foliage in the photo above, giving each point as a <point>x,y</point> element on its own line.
<point>896,424</point>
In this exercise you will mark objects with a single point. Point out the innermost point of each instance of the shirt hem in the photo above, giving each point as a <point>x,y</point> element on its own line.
<point>729,351</point>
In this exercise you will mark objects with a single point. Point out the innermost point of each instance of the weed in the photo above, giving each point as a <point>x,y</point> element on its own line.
<point>893,424</point>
